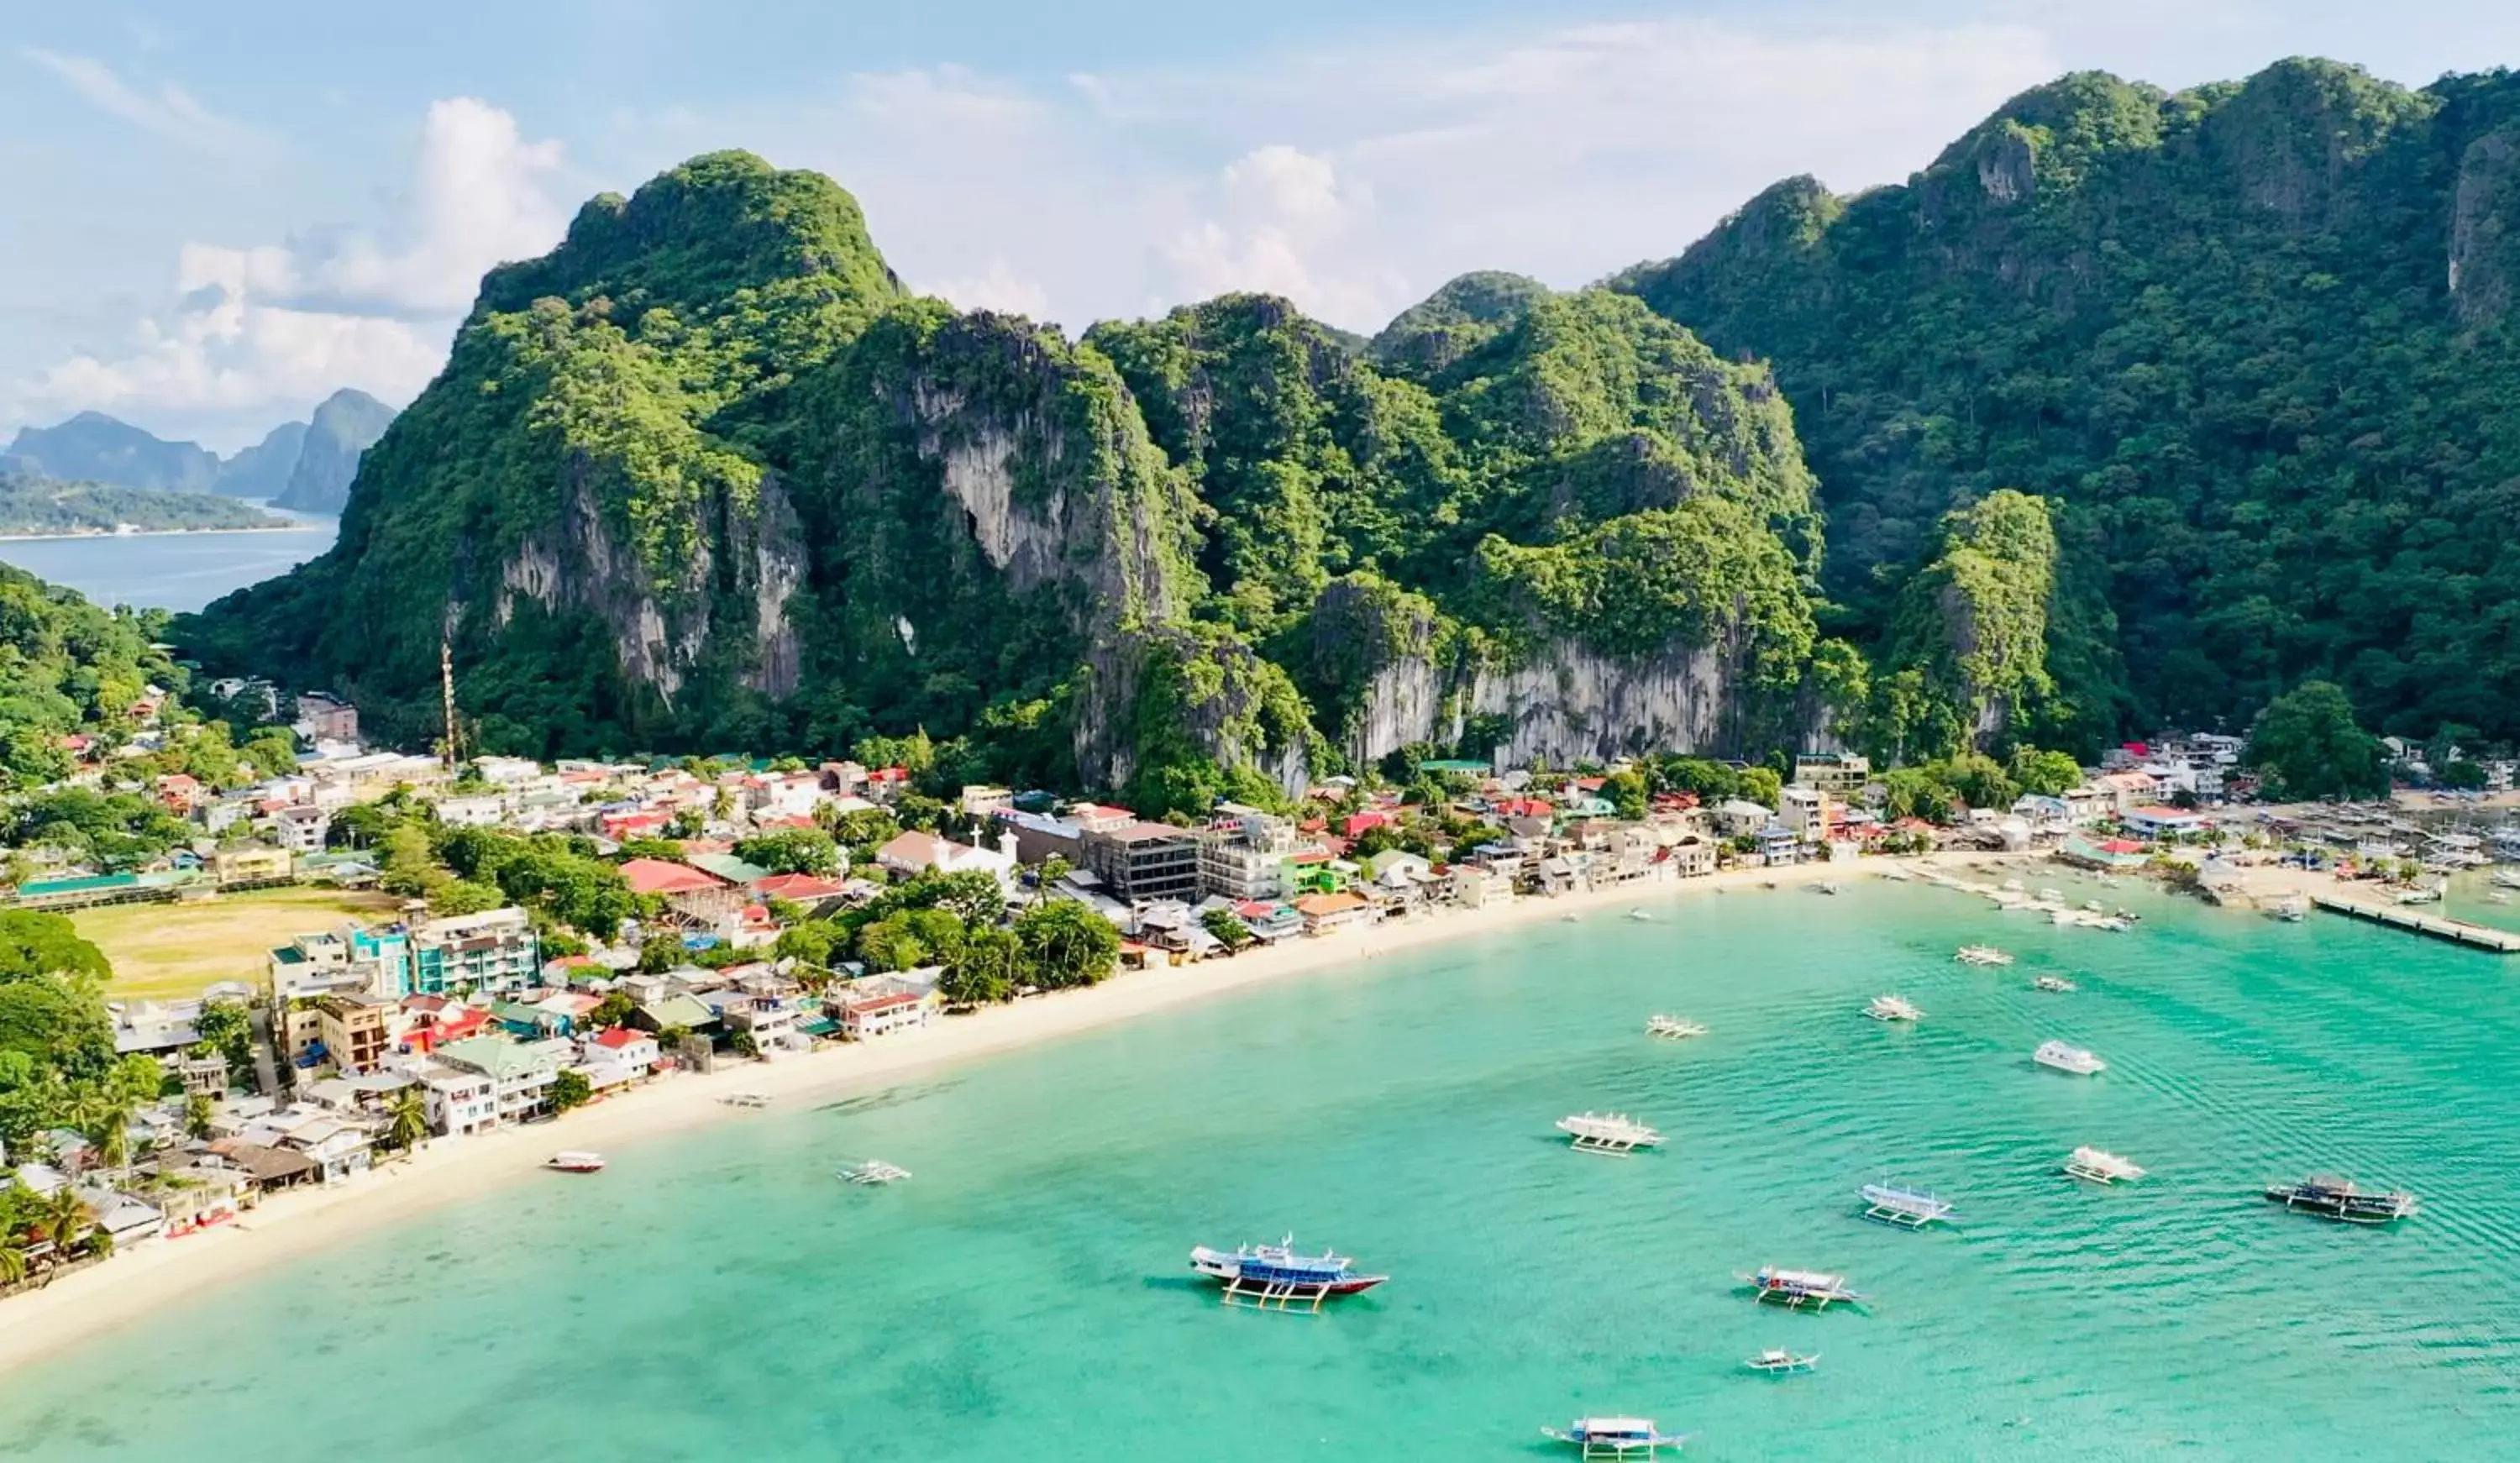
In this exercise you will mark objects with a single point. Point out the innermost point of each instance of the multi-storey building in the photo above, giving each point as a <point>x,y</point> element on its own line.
<point>493,951</point>
<point>1139,862</point>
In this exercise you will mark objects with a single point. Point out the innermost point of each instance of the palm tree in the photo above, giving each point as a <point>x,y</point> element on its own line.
<point>112,1136</point>
<point>66,1217</point>
<point>408,1120</point>
<point>13,1264</point>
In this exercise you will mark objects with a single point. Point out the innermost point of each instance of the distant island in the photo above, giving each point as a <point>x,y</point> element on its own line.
<point>39,506</point>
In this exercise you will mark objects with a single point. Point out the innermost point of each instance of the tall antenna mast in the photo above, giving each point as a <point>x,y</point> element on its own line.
<point>446,689</point>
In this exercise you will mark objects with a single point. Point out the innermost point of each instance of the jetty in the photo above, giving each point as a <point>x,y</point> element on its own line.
<point>2411,918</point>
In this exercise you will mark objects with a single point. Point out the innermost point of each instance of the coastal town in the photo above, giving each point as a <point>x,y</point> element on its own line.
<point>549,938</point>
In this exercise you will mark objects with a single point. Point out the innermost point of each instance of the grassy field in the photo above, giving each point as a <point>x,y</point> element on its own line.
<point>173,951</point>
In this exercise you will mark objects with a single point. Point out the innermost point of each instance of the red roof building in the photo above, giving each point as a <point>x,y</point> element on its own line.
<point>656,876</point>
<point>798,888</point>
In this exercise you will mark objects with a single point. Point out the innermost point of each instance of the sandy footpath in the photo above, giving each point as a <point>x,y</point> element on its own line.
<point>132,1284</point>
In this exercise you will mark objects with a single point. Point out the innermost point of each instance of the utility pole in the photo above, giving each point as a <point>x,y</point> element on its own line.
<point>446,689</point>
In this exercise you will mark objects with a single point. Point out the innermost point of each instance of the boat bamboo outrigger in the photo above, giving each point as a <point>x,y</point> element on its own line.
<point>874,1170</point>
<point>1615,1437</point>
<point>1607,1132</point>
<point>1672,1027</point>
<point>574,1161</point>
<point>1274,1277</point>
<point>2101,1166</point>
<point>2056,983</point>
<point>1902,1206</point>
<point>746,1099</point>
<point>2065,1058</point>
<point>1981,954</point>
<point>1776,1362</point>
<point>1817,1289</point>
<point>1893,1008</point>
<point>2343,1200</point>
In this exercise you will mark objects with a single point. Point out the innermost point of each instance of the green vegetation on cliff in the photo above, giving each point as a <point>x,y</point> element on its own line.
<point>44,505</point>
<point>67,666</point>
<point>2252,343</point>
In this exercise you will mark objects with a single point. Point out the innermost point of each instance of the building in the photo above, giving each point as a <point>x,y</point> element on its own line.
<point>479,810</point>
<point>521,1074</point>
<point>324,719</point>
<point>351,958</point>
<point>915,853</point>
<point>251,865</point>
<point>355,1030</point>
<point>876,1015</point>
<point>1779,844</point>
<point>1839,775</point>
<point>302,829</point>
<point>1242,854</point>
<point>1142,862</point>
<point>1738,816</point>
<point>979,801</point>
<point>492,951</point>
<point>2152,822</point>
<point>1329,914</point>
<point>1805,812</point>
<point>695,895</point>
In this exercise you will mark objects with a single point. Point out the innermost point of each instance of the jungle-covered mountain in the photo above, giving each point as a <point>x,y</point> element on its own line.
<point>707,478</point>
<point>2253,343</point>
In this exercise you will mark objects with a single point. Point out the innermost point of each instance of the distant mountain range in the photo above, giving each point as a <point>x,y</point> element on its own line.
<point>305,466</point>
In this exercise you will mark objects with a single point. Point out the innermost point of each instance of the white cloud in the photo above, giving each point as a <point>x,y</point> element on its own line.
<point>482,196</point>
<point>255,333</point>
<point>996,288</point>
<point>170,112</point>
<point>1281,221</point>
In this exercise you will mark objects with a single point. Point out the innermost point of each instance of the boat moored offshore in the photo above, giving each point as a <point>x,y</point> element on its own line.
<point>2065,1058</point>
<point>1901,1205</point>
<point>1673,1028</point>
<point>1776,1361</point>
<point>874,1170</point>
<point>1893,1008</point>
<point>1607,1132</point>
<point>2056,983</point>
<point>2343,1200</point>
<point>1981,954</point>
<point>2101,1166</point>
<point>1817,1289</point>
<point>1615,1437</point>
<point>1274,1277</point>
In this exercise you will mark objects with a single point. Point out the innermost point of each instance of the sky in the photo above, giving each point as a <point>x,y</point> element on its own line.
<point>219,214</point>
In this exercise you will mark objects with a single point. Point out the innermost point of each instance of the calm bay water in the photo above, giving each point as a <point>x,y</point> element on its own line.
<point>181,571</point>
<point>719,1295</point>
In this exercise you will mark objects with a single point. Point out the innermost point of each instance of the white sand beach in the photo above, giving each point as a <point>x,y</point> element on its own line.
<point>131,1285</point>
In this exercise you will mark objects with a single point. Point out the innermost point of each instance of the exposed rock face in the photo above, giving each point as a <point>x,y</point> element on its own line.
<point>2485,228</point>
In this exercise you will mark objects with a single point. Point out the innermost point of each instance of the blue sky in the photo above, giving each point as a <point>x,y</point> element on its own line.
<point>218,214</point>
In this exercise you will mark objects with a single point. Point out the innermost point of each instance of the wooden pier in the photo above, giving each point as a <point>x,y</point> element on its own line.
<point>2439,926</point>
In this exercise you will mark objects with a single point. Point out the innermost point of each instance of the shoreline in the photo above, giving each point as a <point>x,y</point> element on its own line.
<point>157,533</point>
<point>133,1285</point>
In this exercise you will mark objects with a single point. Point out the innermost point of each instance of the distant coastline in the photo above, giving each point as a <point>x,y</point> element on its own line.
<point>307,526</point>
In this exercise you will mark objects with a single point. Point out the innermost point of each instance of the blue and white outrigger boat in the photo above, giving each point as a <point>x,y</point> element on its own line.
<point>1615,1437</point>
<point>1274,1277</point>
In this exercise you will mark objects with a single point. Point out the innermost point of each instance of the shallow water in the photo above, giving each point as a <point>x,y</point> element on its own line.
<point>180,571</point>
<point>719,1295</point>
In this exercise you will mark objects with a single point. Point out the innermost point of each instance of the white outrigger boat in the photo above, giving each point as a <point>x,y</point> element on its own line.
<point>2065,1058</point>
<point>574,1161</point>
<point>1903,1207</point>
<point>2293,908</point>
<point>1641,916</point>
<point>1615,1437</point>
<point>1893,1008</point>
<point>874,1170</point>
<point>2056,983</point>
<point>1672,1027</point>
<point>2101,1166</point>
<point>1607,1132</point>
<point>1817,1289</point>
<point>1981,954</point>
<point>1775,1361</point>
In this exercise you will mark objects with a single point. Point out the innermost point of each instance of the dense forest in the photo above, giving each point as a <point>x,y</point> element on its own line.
<point>2252,343</point>
<point>2132,409</point>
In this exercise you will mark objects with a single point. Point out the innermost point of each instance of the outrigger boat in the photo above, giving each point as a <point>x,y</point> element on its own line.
<point>1981,954</point>
<point>1893,1008</point>
<point>1274,1277</point>
<point>574,1161</point>
<point>2101,1166</point>
<point>1827,886</point>
<point>1607,1132</point>
<point>874,1170</point>
<point>1901,1206</point>
<point>1615,1437</point>
<point>2343,1201</point>
<point>746,1099</point>
<point>1641,916</point>
<point>2067,1058</point>
<point>1672,1027</point>
<point>1817,1289</point>
<point>2056,983</point>
<point>1775,1360</point>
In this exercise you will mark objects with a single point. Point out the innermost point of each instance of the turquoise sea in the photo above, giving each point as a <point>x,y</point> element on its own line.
<point>720,1295</point>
